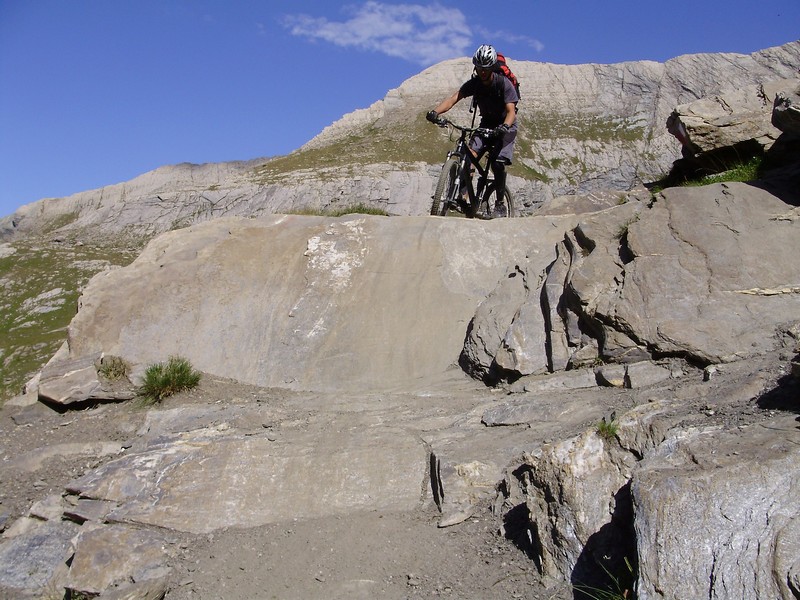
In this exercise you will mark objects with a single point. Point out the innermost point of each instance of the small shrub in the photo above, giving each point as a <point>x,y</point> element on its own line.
<point>113,368</point>
<point>608,429</point>
<point>164,379</point>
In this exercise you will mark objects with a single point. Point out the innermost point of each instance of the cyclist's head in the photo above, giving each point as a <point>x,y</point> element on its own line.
<point>485,57</point>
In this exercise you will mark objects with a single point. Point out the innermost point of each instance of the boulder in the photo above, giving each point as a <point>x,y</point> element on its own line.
<point>731,119</point>
<point>716,516</point>
<point>786,109</point>
<point>579,507</point>
<point>311,302</point>
<point>114,556</point>
<point>65,383</point>
<point>671,492</point>
<point>36,559</point>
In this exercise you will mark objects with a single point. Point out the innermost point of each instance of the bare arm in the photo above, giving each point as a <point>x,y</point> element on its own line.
<point>511,114</point>
<point>448,103</point>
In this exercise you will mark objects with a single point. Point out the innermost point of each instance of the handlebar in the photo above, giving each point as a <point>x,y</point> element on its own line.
<point>481,131</point>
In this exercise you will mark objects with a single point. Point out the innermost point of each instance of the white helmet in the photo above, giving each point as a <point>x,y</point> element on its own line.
<point>485,57</point>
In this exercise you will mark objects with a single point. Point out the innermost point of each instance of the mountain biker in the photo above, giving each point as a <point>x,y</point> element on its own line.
<point>497,101</point>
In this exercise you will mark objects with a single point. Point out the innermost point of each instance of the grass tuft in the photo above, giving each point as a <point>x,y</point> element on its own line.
<point>164,379</point>
<point>608,429</point>
<point>113,368</point>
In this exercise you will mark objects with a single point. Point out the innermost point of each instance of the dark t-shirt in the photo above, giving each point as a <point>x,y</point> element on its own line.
<point>492,98</point>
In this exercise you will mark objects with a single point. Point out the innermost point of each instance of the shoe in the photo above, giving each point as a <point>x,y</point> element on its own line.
<point>500,211</point>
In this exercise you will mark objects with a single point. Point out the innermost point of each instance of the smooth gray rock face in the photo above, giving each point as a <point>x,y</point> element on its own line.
<point>308,302</point>
<point>717,517</point>
<point>706,277</point>
<point>205,480</point>
<point>316,303</point>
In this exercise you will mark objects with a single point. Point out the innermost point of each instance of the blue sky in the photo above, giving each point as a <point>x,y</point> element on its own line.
<point>96,92</point>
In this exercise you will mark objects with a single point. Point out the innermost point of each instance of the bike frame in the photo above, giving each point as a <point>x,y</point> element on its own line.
<point>466,161</point>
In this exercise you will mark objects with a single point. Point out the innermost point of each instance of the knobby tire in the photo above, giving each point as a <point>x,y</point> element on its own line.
<point>445,188</point>
<point>507,195</point>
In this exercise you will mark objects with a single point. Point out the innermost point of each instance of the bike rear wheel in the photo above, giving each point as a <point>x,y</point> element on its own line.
<point>490,193</point>
<point>445,188</point>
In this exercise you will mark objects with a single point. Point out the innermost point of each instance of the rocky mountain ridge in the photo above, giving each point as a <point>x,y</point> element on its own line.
<point>584,128</point>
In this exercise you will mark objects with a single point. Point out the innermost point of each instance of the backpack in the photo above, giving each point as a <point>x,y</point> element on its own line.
<point>502,67</point>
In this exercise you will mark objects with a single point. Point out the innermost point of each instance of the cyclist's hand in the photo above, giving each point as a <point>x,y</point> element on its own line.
<point>500,130</point>
<point>434,118</point>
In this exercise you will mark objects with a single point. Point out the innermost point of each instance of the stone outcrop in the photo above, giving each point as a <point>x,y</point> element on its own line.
<point>642,281</point>
<point>672,493</point>
<point>731,120</point>
<point>786,110</point>
<point>627,284</point>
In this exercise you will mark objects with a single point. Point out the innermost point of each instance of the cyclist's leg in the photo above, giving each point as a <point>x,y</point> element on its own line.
<point>477,147</point>
<point>499,169</point>
<point>502,153</point>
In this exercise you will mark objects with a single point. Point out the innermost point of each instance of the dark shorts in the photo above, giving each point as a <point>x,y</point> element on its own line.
<point>502,149</point>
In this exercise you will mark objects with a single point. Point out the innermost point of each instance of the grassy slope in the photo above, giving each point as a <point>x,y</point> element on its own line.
<point>40,285</point>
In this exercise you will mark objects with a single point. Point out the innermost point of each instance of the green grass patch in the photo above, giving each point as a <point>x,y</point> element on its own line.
<point>403,143</point>
<point>623,229</point>
<point>162,380</point>
<point>743,172</point>
<point>59,222</point>
<point>39,288</point>
<point>361,209</point>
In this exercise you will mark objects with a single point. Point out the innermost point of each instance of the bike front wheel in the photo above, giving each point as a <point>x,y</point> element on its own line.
<point>445,188</point>
<point>509,200</point>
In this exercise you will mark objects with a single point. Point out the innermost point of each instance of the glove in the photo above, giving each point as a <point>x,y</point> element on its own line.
<point>500,130</point>
<point>433,117</point>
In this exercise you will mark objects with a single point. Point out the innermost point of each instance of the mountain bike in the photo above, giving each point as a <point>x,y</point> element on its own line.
<point>457,177</point>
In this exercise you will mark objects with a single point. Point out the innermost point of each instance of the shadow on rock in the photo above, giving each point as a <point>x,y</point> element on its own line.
<point>608,565</point>
<point>784,396</point>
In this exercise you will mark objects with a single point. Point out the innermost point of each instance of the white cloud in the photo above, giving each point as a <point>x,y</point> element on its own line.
<point>504,36</point>
<point>420,34</point>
